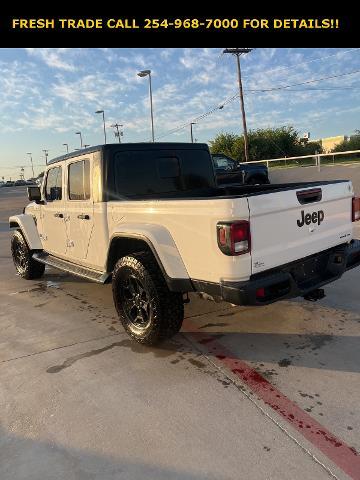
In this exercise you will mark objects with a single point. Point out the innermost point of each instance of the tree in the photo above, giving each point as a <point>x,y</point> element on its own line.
<point>312,147</point>
<point>225,143</point>
<point>264,143</point>
<point>352,144</point>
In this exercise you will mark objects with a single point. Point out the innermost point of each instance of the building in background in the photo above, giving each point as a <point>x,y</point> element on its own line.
<point>329,143</point>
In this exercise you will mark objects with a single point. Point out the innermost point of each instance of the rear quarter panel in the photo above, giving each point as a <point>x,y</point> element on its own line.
<point>192,226</point>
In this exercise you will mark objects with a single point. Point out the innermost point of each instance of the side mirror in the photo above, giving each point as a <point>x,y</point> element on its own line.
<point>34,194</point>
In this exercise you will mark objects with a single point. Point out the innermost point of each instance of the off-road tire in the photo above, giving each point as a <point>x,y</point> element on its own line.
<point>25,265</point>
<point>166,308</point>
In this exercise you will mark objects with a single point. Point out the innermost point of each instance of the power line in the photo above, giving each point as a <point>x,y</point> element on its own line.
<point>25,166</point>
<point>290,67</point>
<point>196,119</point>
<point>308,81</point>
<point>308,89</point>
<point>231,99</point>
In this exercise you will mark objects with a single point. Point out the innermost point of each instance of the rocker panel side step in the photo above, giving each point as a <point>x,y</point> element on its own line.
<point>72,268</point>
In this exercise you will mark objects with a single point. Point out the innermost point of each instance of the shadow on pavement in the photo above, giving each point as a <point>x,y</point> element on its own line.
<point>28,459</point>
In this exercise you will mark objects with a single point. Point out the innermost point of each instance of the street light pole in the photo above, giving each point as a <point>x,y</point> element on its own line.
<point>81,141</point>
<point>237,52</point>
<point>67,147</point>
<point>32,165</point>
<point>191,131</point>
<point>151,109</point>
<point>103,115</point>
<point>145,73</point>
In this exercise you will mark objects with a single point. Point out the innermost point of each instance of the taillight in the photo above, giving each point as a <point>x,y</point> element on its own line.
<point>234,237</point>
<point>355,209</point>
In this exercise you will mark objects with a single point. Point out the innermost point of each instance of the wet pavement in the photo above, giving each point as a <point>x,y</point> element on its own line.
<point>241,392</point>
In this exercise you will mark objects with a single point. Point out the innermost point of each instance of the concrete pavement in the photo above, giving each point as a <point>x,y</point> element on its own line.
<point>79,400</point>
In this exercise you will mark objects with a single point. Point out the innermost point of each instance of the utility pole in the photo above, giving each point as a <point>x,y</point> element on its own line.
<point>191,131</point>
<point>46,152</point>
<point>237,52</point>
<point>117,133</point>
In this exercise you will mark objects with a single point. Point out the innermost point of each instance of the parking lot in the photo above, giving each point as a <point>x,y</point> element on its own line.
<point>240,393</point>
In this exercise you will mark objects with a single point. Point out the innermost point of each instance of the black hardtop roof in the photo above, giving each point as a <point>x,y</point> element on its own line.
<point>131,146</point>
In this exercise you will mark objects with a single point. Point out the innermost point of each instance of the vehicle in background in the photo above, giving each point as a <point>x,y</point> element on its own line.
<point>9,183</point>
<point>229,171</point>
<point>20,183</point>
<point>2,183</point>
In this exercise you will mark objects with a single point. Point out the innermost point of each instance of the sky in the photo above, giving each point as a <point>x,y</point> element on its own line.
<point>46,95</point>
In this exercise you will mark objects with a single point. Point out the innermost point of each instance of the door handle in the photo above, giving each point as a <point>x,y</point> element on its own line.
<point>59,215</point>
<point>82,216</point>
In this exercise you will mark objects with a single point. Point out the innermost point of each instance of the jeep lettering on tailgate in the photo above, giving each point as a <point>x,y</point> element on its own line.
<point>315,217</point>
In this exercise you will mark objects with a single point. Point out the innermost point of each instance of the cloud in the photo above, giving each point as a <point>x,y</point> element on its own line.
<point>96,90</point>
<point>186,84</point>
<point>53,57</point>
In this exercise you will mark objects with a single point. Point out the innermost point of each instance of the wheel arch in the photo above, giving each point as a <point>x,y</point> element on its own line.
<point>158,241</point>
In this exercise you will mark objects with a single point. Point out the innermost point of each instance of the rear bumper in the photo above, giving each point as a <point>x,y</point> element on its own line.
<point>288,281</point>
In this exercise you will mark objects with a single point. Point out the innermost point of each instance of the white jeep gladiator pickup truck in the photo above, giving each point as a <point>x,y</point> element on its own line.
<point>151,219</point>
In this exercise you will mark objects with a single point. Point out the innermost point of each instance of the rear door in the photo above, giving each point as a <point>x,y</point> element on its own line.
<point>289,225</point>
<point>79,208</point>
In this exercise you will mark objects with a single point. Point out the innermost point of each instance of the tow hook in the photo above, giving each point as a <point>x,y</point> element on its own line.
<point>315,295</point>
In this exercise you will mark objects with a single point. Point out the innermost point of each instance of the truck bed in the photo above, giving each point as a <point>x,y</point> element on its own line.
<point>231,191</point>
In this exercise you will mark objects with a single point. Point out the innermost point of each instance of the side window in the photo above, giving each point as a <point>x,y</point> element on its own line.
<point>79,180</point>
<point>225,163</point>
<point>53,188</point>
<point>141,173</point>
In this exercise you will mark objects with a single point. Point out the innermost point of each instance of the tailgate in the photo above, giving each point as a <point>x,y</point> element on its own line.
<point>292,224</point>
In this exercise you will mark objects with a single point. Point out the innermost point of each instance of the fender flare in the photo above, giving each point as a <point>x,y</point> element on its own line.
<point>164,249</point>
<point>28,228</point>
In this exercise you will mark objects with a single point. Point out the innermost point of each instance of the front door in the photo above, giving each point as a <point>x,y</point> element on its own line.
<point>53,235</point>
<point>79,209</point>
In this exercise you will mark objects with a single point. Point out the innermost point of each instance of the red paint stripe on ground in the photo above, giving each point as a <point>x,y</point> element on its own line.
<point>344,456</point>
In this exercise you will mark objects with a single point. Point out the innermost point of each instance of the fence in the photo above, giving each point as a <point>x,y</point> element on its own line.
<point>312,160</point>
